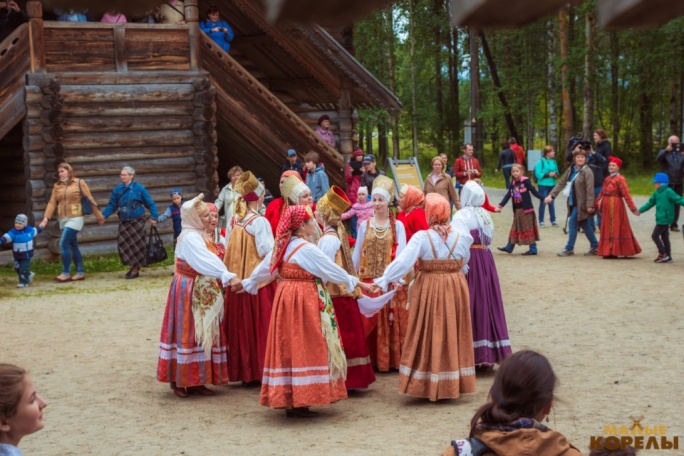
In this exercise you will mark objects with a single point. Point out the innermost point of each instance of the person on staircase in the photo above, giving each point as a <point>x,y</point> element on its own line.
<point>217,28</point>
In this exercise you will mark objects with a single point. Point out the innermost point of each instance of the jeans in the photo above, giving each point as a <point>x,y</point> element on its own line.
<point>507,174</point>
<point>596,218</point>
<point>586,226</point>
<point>352,226</point>
<point>69,247</point>
<point>661,237</point>
<point>23,268</point>
<point>544,190</point>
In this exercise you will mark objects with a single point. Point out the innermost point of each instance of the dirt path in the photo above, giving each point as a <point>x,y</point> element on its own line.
<point>612,329</point>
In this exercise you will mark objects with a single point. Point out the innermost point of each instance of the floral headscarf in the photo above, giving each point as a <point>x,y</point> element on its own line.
<point>191,220</point>
<point>438,214</point>
<point>292,219</point>
<point>413,198</point>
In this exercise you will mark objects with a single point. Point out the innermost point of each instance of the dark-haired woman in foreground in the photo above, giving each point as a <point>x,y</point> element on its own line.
<point>510,423</point>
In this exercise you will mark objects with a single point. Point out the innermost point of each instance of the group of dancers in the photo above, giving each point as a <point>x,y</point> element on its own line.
<point>310,319</point>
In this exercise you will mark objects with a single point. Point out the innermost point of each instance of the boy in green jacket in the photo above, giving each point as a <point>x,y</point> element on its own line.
<point>664,199</point>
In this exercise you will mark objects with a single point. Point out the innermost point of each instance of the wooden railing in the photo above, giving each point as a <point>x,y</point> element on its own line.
<point>14,64</point>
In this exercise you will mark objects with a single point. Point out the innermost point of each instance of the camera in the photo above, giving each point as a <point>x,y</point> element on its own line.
<point>584,144</point>
<point>677,147</point>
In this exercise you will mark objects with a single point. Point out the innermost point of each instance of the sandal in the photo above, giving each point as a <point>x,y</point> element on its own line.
<point>62,278</point>
<point>78,277</point>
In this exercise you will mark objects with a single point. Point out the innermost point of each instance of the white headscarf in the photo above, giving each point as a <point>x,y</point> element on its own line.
<point>190,217</point>
<point>472,216</point>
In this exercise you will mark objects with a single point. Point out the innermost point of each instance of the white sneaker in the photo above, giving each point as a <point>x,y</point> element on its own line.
<point>541,225</point>
<point>31,276</point>
<point>22,285</point>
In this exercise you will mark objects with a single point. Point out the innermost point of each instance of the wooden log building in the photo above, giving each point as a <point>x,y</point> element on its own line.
<point>167,101</point>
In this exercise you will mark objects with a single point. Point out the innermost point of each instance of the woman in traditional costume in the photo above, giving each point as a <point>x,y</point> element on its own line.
<point>490,333</point>
<point>616,238</point>
<point>437,358</point>
<point>305,364</point>
<point>412,210</point>
<point>335,244</point>
<point>276,208</point>
<point>248,316</point>
<point>379,241</point>
<point>214,231</point>
<point>193,349</point>
<point>297,193</point>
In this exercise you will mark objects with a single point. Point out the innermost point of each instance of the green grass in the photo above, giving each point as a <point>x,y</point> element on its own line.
<point>92,264</point>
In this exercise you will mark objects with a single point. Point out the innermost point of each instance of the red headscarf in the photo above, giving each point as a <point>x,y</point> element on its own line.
<point>292,219</point>
<point>413,198</point>
<point>212,207</point>
<point>615,160</point>
<point>438,213</point>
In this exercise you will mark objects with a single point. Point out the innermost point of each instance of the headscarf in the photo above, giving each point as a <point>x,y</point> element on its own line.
<point>292,189</point>
<point>438,214</point>
<point>291,172</point>
<point>212,207</point>
<point>615,160</point>
<point>472,216</point>
<point>190,217</point>
<point>413,198</point>
<point>292,219</point>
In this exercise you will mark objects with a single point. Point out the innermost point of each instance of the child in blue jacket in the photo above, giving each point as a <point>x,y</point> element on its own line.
<point>174,211</point>
<point>21,237</point>
<point>217,29</point>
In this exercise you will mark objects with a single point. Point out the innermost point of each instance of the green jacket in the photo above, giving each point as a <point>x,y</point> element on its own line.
<point>543,167</point>
<point>664,199</point>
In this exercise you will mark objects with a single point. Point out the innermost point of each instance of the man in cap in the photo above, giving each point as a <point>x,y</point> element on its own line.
<point>293,163</point>
<point>370,173</point>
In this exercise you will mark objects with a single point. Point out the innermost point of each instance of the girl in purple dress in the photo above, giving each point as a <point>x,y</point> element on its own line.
<point>490,334</point>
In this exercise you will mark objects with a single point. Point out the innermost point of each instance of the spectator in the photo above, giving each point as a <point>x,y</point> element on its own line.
<point>217,29</point>
<point>21,237</point>
<point>360,211</point>
<point>172,12</point>
<point>603,148</point>
<point>577,184</point>
<point>448,169</point>
<point>67,196</point>
<point>352,174</point>
<point>173,212</point>
<point>316,178</point>
<point>324,131</point>
<point>671,161</point>
<point>113,17</point>
<point>129,199</point>
<point>21,408</point>
<point>596,162</point>
<point>11,17</point>
<point>510,423</point>
<point>293,163</point>
<point>72,15</point>
<point>438,182</point>
<point>228,197</point>
<point>370,172</point>
<point>546,171</point>
<point>506,161</point>
<point>518,150</point>
<point>467,167</point>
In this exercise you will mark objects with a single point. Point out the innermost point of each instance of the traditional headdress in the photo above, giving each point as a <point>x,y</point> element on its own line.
<point>292,219</point>
<point>191,212</point>
<point>292,189</point>
<point>291,172</point>
<point>615,160</point>
<point>413,197</point>
<point>472,216</point>
<point>383,186</point>
<point>250,189</point>
<point>334,203</point>
<point>438,214</point>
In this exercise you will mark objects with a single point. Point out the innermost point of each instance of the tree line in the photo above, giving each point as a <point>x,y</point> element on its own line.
<point>542,83</point>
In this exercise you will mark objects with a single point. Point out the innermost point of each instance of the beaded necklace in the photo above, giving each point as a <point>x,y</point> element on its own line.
<point>380,231</point>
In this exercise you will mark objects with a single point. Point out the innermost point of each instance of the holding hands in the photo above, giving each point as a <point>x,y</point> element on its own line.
<point>235,284</point>
<point>548,200</point>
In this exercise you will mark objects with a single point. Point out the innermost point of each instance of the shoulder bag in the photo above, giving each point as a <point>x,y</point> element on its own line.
<point>86,205</point>
<point>156,253</point>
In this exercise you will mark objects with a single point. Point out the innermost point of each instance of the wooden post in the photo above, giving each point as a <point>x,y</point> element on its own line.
<point>120,55</point>
<point>345,123</point>
<point>194,34</point>
<point>34,9</point>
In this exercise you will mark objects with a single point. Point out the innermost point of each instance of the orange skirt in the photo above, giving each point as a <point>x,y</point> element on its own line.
<point>296,372</point>
<point>438,360</point>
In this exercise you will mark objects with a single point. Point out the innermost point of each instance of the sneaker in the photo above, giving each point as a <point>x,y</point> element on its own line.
<point>592,252</point>
<point>674,228</point>
<point>663,259</point>
<point>31,276</point>
<point>541,225</point>
<point>566,253</point>
<point>22,285</point>
<point>555,224</point>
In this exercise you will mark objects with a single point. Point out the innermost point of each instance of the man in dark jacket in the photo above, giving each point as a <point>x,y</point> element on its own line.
<point>596,162</point>
<point>370,173</point>
<point>293,164</point>
<point>506,161</point>
<point>671,161</point>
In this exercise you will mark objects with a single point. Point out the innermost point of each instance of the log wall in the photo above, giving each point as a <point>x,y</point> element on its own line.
<point>161,124</point>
